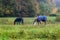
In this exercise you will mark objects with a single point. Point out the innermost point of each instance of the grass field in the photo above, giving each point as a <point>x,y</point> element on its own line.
<point>8,31</point>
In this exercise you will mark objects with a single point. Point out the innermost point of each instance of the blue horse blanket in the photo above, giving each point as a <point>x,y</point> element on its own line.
<point>41,18</point>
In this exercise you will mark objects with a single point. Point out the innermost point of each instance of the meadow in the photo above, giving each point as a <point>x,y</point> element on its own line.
<point>50,31</point>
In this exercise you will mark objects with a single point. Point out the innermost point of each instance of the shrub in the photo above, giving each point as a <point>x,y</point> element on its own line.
<point>58,18</point>
<point>52,15</point>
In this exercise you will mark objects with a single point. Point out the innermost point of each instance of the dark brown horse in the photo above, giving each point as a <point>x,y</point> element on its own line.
<point>18,20</point>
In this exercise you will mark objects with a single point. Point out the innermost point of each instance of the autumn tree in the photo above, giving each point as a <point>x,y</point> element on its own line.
<point>7,7</point>
<point>26,8</point>
<point>46,7</point>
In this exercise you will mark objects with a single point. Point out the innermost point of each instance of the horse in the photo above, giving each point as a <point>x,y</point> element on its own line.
<point>40,19</point>
<point>18,20</point>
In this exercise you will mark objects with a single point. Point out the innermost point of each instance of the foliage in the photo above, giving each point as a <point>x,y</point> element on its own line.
<point>26,8</point>
<point>58,18</point>
<point>46,7</point>
<point>7,8</point>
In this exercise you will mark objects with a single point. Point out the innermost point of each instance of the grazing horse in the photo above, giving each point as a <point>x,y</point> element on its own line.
<point>40,19</point>
<point>18,20</point>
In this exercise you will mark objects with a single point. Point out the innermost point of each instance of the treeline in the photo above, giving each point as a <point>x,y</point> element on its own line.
<point>26,8</point>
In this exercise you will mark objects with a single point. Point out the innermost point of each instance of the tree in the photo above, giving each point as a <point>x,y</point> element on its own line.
<point>25,7</point>
<point>46,7</point>
<point>7,7</point>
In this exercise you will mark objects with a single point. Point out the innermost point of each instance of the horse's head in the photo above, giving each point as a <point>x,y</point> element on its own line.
<point>35,21</point>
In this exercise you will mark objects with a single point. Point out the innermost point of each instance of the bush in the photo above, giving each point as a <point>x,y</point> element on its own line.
<point>58,18</point>
<point>52,15</point>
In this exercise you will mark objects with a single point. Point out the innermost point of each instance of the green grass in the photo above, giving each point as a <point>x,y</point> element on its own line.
<point>50,31</point>
<point>9,21</point>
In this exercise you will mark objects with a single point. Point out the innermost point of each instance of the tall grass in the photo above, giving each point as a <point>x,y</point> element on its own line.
<point>9,21</point>
<point>48,32</point>
<point>28,31</point>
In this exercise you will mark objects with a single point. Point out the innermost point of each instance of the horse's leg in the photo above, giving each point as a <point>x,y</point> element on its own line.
<point>19,23</point>
<point>38,23</point>
<point>22,22</point>
<point>45,22</point>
